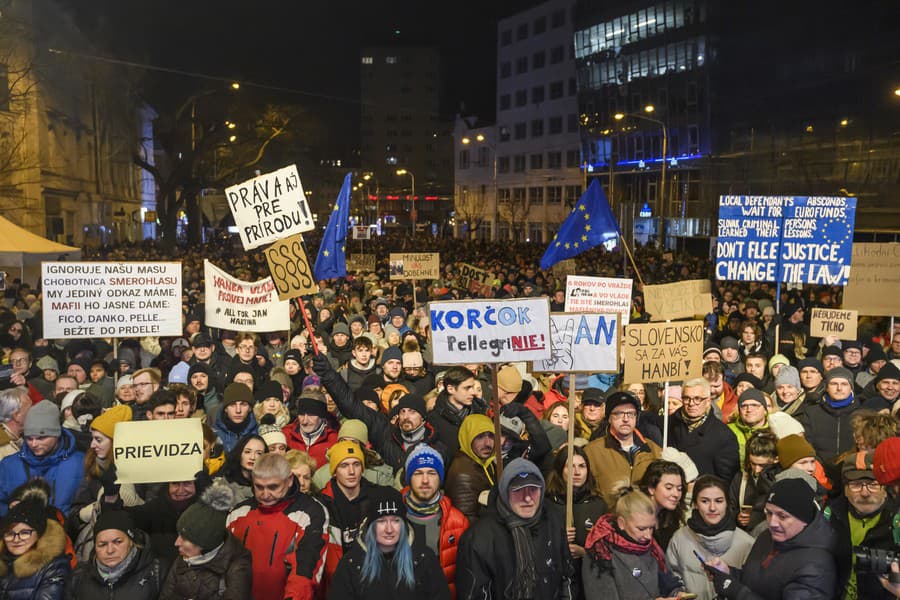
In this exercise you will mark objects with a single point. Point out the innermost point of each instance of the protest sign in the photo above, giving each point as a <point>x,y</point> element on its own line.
<point>599,294</point>
<point>360,262</point>
<point>564,268</point>
<point>242,305</point>
<point>290,268</point>
<point>582,343</point>
<point>415,265</point>
<point>680,300</point>
<point>795,239</point>
<point>111,299</point>
<point>660,352</point>
<point>874,285</point>
<point>477,281</point>
<point>490,331</point>
<point>839,323</point>
<point>269,207</point>
<point>158,451</point>
<point>362,232</point>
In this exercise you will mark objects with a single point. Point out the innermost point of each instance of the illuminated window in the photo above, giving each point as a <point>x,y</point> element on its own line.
<point>391,60</point>
<point>367,60</point>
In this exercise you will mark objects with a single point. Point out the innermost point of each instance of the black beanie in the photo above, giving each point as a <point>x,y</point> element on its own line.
<point>294,355</point>
<point>198,368</point>
<point>413,401</point>
<point>749,378</point>
<point>796,497</point>
<point>311,406</point>
<point>114,519</point>
<point>367,393</point>
<point>30,512</point>
<point>270,389</point>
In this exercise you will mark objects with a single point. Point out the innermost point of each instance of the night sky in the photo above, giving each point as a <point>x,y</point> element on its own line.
<point>310,46</point>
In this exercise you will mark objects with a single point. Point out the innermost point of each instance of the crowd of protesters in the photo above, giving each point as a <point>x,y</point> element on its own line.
<point>343,463</point>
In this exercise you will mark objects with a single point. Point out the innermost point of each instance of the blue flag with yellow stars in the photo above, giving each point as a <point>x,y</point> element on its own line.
<point>331,261</point>
<point>590,224</point>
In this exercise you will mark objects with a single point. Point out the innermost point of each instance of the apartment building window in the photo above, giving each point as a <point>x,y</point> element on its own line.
<point>521,32</point>
<point>538,60</point>
<point>537,128</point>
<point>463,159</point>
<point>556,90</point>
<point>503,194</point>
<point>519,163</point>
<point>573,193</point>
<point>521,65</point>
<point>521,97</point>
<point>519,194</point>
<point>521,131</point>
<point>540,25</point>
<point>572,123</point>
<point>573,86</point>
<point>391,60</point>
<point>536,161</point>
<point>554,125</point>
<point>573,158</point>
<point>503,164</point>
<point>505,102</point>
<point>536,195</point>
<point>506,37</point>
<point>554,160</point>
<point>693,139</point>
<point>557,54</point>
<point>554,194</point>
<point>558,18</point>
<point>367,60</point>
<point>505,69</point>
<point>504,134</point>
<point>537,94</point>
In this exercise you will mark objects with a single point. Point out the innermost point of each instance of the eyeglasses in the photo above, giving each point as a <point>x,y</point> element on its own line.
<point>624,414</point>
<point>857,486</point>
<point>694,399</point>
<point>19,361</point>
<point>22,535</point>
<point>142,384</point>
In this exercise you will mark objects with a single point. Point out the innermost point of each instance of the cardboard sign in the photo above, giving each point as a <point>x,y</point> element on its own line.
<point>362,232</point>
<point>475,280</point>
<point>269,207</point>
<point>150,216</point>
<point>660,352</point>
<point>600,295</point>
<point>241,305</point>
<point>564,268</point>
<point>582,343</point>
<point>680,300</point>
<point>490,331</point>
<point>795,239</point>
<point>415,265</point>
<point>360,263</point>
<point>110,299</point>
<point>290,268</point>
<point>158,451</point>
<point>874,285</point>
<point>839,323</point>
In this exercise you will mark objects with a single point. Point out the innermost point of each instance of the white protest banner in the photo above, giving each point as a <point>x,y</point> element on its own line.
<point>839,323</point>
<point>490,331</point>
<point>478,281</point>
<point>660,352</point>
<point>241,305</point>
<point>158,451</point>
<point>362,232</point>
<point>111,299</point>
<point>360,262</point>
<point>582,343</point>
<point>415,265</point>
<point>683,299</point>
<point>874,285</point>
<point>290,268</point>
<point>269,207</point>
<point>599,294</point>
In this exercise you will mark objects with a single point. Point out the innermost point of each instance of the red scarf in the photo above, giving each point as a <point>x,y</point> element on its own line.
<point>604,536</point>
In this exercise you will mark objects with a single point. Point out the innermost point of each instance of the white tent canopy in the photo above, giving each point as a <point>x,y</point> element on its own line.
<point>19,248</point>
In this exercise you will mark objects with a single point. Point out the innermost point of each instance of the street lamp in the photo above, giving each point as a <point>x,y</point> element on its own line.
<point>412,195</point>
<point>367,177</point>
<point>662,177</point>
<point>479,138</point>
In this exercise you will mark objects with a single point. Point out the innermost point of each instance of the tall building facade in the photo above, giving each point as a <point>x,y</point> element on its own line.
<point>401,128</point>
<point>517,178</point>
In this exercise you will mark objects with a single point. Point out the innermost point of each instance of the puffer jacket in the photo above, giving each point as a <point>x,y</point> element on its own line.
<point>228,576</point>
<point>62,469</point>
<point>142,579</point>
<point>318,449</point>
<point>40,573</point>
<point>827,428</point>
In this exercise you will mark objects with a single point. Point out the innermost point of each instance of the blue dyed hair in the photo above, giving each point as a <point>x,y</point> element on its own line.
<point>373,563</point>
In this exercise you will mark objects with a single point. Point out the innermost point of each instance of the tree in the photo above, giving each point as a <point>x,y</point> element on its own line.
<point>514,211</point>
<point>472,209</point>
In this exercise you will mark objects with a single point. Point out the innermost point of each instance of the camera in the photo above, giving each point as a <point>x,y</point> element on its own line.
<point>873,560</point>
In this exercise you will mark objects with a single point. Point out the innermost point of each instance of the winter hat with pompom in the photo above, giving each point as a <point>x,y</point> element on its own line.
<point>203,523</point>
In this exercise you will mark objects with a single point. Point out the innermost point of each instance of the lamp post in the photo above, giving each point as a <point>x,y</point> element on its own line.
<point>665,133</point>
<point>482,140</point>
<point>412,211</point>
<point>367,177</point>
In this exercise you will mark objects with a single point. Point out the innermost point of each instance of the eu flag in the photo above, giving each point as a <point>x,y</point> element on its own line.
<point>331,261</point>
<point>590,224</point>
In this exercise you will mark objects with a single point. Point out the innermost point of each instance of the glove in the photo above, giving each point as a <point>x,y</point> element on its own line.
<point>108,481</point>
<point>725,585</point>
<point>321,364</point>
<point>513,409</point>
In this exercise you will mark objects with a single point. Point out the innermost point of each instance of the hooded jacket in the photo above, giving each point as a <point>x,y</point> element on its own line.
<point>469,475</point>
<point>62,469</point>
<point>39,573</point>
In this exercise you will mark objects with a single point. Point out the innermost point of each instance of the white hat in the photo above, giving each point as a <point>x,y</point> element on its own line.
<point>783,425</point>
<point>69,399</point>
<point>682,460</point>
<point>123,380</point>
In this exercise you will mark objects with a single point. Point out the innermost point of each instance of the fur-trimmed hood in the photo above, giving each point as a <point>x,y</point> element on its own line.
<point>49,546</point>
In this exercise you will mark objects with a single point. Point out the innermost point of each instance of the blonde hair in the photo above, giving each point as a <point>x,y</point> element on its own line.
<point>297,458</point>
<point>634,501</point>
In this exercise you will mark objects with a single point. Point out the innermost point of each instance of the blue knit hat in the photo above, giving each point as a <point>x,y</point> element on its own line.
<point>424,456</point>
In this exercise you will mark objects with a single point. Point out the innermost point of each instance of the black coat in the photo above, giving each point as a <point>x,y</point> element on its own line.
<point>712,446</point>
<point>879,536</point>
<point>142,580</point>
<point>802,568</point>
<point>230,570</point>
<point>446,420</point>
<point>828,429</point>
<point>347,584</point>
<point>486,562</point>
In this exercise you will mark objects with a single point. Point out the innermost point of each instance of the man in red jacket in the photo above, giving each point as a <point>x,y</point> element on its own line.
<point>284,530</point>
<point>430,513</point>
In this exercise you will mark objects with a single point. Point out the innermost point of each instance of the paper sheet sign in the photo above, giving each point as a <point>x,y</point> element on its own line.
<point>490,331</point>
<point>599,294</point>
<point>874,285</point>
<point>582,343</point>
<point>111,299</point>
<point>660,352</point>
<point>839,323</point>
<point>415,265</point>
<point>269,207</point>
<point>243,305</point>
<point>158,451</point>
